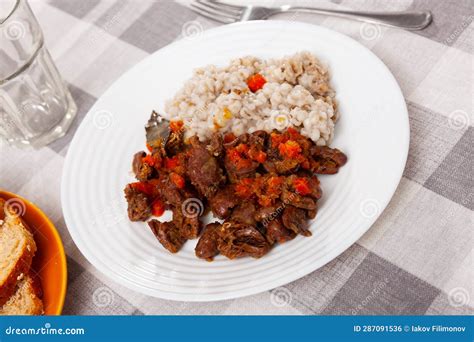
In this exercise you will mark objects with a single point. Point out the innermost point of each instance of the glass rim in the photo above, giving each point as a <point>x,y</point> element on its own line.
<point>15,7</point>
<point>19,4</point>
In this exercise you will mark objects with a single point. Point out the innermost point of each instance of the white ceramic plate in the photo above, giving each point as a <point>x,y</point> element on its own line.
<point>373,131</point>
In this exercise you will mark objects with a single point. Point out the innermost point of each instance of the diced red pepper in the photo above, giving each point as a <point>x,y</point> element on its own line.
<point>290,149</point>
<point>177,180</point>
<point>150,160</point>
<point>233,155</point>
<point>171,163</point>
<point>292,130</point>
<point>261,157</point>
<point>239,156</point>
<point>148,147</point>
<point>265,201</point>
<point>244,188</point>
<point>143,187</point>
<point>275,181</point>
<point>301,186</point>
<point>157,207</point>
<point>257,155</point>
<point>294,133</point>
<point>242,148</point>
<point>277,139</point>
<point>256,82</point>
<point>274,187</point>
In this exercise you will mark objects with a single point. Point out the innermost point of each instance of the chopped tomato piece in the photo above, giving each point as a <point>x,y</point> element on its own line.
<point>277,139</point>
<point>265,201</point>
<point>157,207</point>
<point>290,149</point>
<point>150,160</point>
<point>177,180</point>
<point>244,188</point>
<point>176,126</point>
<point>294,133</point>
<point>257,155</point>
<point>260,157</point>
<point>171,163</point>
<point>233,155</point>
<point>243,163</point>
<point>239,156</point>
<point>148,147</point>
<point>256,82</point>
<point>242,148</point>
<point>275,181</point>
<point>274,187</point>
<point>301,186</point>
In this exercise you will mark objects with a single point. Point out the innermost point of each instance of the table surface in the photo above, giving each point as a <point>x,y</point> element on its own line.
<point>418,256</point>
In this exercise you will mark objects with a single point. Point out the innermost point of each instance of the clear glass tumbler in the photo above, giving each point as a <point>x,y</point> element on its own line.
<point>35,105</point>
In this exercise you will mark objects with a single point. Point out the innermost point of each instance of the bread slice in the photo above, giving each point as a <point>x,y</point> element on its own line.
<point>26,299</point>
<point>17,248</point>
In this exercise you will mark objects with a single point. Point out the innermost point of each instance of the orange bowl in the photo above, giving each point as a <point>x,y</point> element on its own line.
<point>49,262</point>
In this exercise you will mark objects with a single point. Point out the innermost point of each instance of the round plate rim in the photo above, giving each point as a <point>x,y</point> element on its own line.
<point>404,146</point>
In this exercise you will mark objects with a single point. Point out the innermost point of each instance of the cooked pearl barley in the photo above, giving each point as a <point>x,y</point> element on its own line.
<point>297,93</point>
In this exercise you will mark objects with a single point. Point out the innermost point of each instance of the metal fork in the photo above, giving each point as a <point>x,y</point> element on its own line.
<point>227,13</point>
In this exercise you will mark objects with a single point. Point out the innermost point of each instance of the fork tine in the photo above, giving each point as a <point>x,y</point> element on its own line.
<point>233,10</point>
<point>213,14</point>
<point>229,6</point>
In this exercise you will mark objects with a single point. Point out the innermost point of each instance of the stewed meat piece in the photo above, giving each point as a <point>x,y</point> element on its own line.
<point>326,160</point>
<point>281,167</point>
<point>237,240</point>
<point>305,184</point>
<point>276,232</point>
<point>239,171</point>
<point>295,199</point>
<point>241,139</point>
<point>295,219</point>
<point>137,161</point>
<point>190,227</point>
<point>139,206</point>
<point>244,213</point>
<point>167,234</point>
<point>216,145</point>
<point>311,214</point>
<point>203,169</point>
<point>206,247</point>
<point>223,201</point>
<point>142,171</point>
<point>258,139</point>
<point>169,191</point>
<point>315,189</point>
<point>186,221</point>
<point>243,156</point>
<point>266,214</point>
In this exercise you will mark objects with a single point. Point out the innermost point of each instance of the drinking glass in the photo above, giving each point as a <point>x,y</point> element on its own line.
<point>35,105</point>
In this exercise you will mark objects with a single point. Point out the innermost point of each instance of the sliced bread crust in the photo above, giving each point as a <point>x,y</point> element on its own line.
<point>26,300</point>
<point>16,253</point>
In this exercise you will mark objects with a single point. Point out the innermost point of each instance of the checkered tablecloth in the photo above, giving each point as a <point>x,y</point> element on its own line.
<point>418,256</point>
